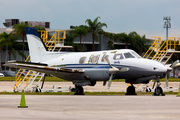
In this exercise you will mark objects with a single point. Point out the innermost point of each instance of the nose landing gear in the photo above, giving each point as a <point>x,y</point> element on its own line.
<point>158,90</point>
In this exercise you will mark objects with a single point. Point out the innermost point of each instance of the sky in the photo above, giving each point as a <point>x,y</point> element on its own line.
<point>143,16</point>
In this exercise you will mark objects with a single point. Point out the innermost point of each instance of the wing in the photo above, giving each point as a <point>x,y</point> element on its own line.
<point>40,67</point>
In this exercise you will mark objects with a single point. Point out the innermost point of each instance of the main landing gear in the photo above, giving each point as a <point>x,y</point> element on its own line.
<point>131,90</point>
<point>158,90</point>
<point>79,90</point>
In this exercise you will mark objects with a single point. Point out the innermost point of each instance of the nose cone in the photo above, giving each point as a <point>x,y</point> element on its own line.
<point>158,68</point>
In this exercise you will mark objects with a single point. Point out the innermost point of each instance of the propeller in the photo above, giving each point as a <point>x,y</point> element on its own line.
<point>112,71</point>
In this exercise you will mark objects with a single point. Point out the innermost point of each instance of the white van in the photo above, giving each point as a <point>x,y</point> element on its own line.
<point>1,75</point>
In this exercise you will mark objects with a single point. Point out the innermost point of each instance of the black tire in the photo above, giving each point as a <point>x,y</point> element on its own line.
<point>73,90</point>
<point>79,90</point>
<point>158,91</point>
<point>131,90</point>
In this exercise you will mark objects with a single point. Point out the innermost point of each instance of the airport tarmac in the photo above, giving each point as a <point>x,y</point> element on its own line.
<point>70,107</point>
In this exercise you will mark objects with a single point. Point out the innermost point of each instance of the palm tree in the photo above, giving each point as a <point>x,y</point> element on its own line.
<point>111,37</point>
<point>141,44</point>
<point>5,38</point>
<point>69,41</point>
<point>1,47</point>
<point>126,38</point>
<point>19,29</point>
<point>95,27</point>
<point>14,46</point>
<point>79,32</point>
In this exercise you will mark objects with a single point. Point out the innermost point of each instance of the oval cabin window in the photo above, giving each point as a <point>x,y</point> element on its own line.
<point>82,60</point>
<point>94,59</point>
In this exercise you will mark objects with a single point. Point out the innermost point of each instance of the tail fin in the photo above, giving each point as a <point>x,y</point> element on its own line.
<point>36,46</point>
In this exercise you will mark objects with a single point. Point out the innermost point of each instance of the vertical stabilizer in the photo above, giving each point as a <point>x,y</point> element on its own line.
<point>37,48</point>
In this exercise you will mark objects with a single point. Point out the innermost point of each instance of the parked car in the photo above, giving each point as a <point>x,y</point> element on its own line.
<point>8,73</point>
<point>1,75</point>
<point>171,75</point>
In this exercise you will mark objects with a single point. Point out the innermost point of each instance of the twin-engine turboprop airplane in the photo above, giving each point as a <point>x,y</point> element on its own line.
<point>85,68</point>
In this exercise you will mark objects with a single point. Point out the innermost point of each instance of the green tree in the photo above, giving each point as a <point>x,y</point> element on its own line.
<point>70,41</point>
<point>5,38</point>
<point>95,27</point>
<point>19,29</point>
<point>126,38</point>
<point>141,44</point>
<point>14,46</point>
<point>39,27</point>
<point>79,32</point>
<point>1,48</point>
<point>111,37</point>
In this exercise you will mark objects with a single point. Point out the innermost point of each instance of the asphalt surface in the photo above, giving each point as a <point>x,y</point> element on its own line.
<point>70,107</point>
<point>61,107</point>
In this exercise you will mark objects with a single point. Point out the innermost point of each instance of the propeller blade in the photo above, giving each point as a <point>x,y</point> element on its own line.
<point>107,60</point>
<point>110,81</point>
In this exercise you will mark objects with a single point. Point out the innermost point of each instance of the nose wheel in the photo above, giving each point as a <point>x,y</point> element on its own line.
<point>158,90</point>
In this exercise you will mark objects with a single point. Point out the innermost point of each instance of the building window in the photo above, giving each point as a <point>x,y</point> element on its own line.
<point>118,56</point>
<point>82,60</point>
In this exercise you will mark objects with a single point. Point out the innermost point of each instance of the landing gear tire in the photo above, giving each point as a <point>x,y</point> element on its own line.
<point>79,90</point>
<point>131,90</point>
<point>158,92</point>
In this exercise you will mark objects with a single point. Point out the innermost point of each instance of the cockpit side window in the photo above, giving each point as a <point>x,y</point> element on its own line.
<point>118,56</point>
<point>82,60</point>
<point>128,55</point>
<point>103,59</point>
<point>94,59</point>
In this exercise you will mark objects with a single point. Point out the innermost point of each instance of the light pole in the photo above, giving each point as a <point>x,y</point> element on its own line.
<point>167,24</point>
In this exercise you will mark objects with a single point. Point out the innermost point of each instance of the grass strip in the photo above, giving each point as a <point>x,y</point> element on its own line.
<point>56,79</point>
<point>86,93</point>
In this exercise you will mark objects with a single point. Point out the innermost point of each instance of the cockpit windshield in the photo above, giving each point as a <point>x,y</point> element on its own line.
<point>131,54</point>
<point>128,55</point>
<point>135,54</point>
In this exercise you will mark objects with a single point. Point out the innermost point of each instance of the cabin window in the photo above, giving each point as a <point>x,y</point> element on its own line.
<point>94,59</point>
<point>128,55</point>
<point>82,60</point>
<point>118,56</point>
<point>103,59</point>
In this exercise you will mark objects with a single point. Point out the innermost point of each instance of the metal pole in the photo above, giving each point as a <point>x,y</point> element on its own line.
<point>166,32</point>
<point>167,25</point>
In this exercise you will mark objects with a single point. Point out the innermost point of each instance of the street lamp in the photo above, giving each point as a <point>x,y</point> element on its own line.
<point>167,24</point>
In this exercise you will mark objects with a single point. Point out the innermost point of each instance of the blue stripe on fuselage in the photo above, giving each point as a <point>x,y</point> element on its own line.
<point>97,66</point>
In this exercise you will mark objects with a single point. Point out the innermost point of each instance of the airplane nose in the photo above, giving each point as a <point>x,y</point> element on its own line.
<point>158,67</point>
